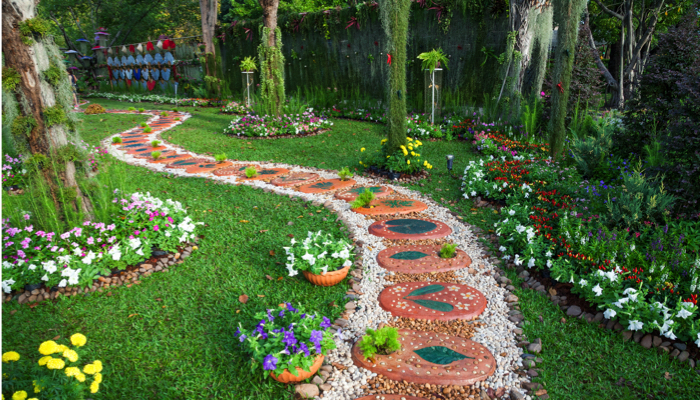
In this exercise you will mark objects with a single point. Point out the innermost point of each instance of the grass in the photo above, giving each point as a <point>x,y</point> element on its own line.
<point>177,352</point>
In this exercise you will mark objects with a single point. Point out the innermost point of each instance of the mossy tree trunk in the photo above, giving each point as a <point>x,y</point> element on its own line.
<point>394,15</point>
<point>34,96</point>
<point>209,13</point>
<point>567,16</point>
<point>271,60</point>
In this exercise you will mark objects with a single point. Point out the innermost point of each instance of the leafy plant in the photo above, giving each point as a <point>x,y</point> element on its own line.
<point>55,115</point>
<point>54,74</point>
<point>432,59</point>
<point>448,250</point>
<point>155,143</point>
<point>383,341</point>
<point>177,118</point>
<point>156,154</point>
<point>131,109</point>
<point>249,64</point>
<point>164,114</point>
<point>147,129</point>
<point>590,151</point>
<point>251,172</point>
<point>116,140</point>
<point>345,174</point>
<point>32,26</point>
<point>23,125</point>
<point>144,125</point>
<point>363,199</point>
<point>10,79</point>
<point>319,253</point>
<point>142,110</point>
<point>220,157</point>
<point>174,109</point>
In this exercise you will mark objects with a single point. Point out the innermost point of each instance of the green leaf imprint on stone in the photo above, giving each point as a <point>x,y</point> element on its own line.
<point>184,162</point>
<point>434,305</point>
<point>397,203</point>
<point>426,290</point>
<point>410,226</point>
<point>322,185</point>
<point>207,165</point>
<point>440,355</point>
<point>268,172</point>
<point>358,190</point>
<point>409,255</point>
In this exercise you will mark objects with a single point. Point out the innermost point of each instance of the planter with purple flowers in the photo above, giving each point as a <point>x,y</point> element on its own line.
<point>286,343</point>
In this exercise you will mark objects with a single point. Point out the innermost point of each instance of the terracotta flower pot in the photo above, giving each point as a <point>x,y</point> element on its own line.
<point>287,377</point>
<point>327,279</point>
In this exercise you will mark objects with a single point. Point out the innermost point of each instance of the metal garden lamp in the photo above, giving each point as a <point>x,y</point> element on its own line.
<point>450,158</point>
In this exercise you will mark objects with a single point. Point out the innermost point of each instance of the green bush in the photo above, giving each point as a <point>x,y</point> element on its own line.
<point>147,129</point>
<point>382,341</point>
<point>448,250</point>
<point>23,125</point>
<point>363,200</point>
<point>143,124</point>
<point>10,79</point>
<point>55,115</point>
<point>345,174</point>
<point>590,151</point>
<point>220,157</point>
<point>251,172</point>
<point>155,143</point>
<point>156,154</point>
<point>116,139</point>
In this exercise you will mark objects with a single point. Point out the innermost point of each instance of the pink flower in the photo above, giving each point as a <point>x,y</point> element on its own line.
<point>91,240</point>
<point>170,220</point>
<point>155,227</point>
<point>26,217</point>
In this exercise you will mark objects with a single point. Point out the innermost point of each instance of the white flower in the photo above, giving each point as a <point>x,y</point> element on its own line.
<point>64,259</point>
<point>345,253</point>
<point>531,263</point>
<point>511,212</point>
<point>635,325</point>
<point>629,290</point>
<point>115,252</point>
<point>597,290</point>
<point>697,342</point>
<point>609,313</point>
<point>134,243</point>
<point>309,258</point>
<point>293,241</point>
<point>292,271</point>
<point>473,193</point>
<point>583,282</point>
<point>517,260</point>
<point>45,278</point>
<point>548,254</point>
<point>506,257</point>
<point>683,313</point>
<point>140,251</point>
<point>31,267</point>
<point>7,285</point>
<point>549,263</point>
<point>502,249</point>
<point>632,247</point>
<point>669,334</point>
<point>347,263</point>
<point>520,229</point>
<point>62,283</point>
<point>88,258</point>
<point>49,266</point>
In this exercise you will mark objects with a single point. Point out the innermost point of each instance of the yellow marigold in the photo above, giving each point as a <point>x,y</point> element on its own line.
<point>21,395</point>
<point>61,348</point>
<point>98,377</point>
<point>384,140</point>
<point>48,347</point>
<point>362,149</point>
<point>71,355</point>
<point>89,369</point>
<point>94,387</point>
<point>413,153</point>
<point>72,371</point>
<point>408,162</point>
<point>80,377</point>
<point>78,339</point>
<point>425,163</point>
<point>33,398</point>
<point>44,360</point>
<point>410,147</point>
<point>37,388</point>
<point>55,363</point>
<point>405,153</point>
<point>10,356</point>
<point>98,365</point>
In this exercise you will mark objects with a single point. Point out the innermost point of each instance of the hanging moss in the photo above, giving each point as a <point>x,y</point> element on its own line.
<point>540,52</point>
<point>23,125</point>
<point>10,79</point>
<point>63,89</point>
<point>54,74</point>
<point>54,115</point>
<point>34,26</point>
<point>271,73</point>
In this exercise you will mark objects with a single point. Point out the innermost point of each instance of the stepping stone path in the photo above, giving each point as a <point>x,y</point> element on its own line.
<point>435,358</point>
<point>392,206</point>
<point>420,259</point>
<point>327,185</point>
<point>433,301</point>
<point>410,228</point>
<point>350,195</point>
<point>424,357</point>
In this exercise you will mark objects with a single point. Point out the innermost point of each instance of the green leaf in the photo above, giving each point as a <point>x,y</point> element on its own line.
<point>434,305</point>
<point>268,172</point>
<point>397,203</point>
<point>426,290</point>
<point>409,255</point>
<point>323,185</point>
<point>410,226</point>
<point>440,355</point>
<point>358,190</point>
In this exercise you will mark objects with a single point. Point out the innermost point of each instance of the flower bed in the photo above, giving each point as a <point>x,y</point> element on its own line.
<point>418,125</point>
<point>12,171</point>
<point>647,277</point>
<point>155,98</point>
<point>235,108</point>
<point>251,125</point>
<point>79,256</point>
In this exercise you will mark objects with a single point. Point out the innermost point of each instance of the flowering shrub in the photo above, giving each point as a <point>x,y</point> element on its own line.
<point>648,278</point>
<point>235,108</point>
<point>58,374</point>
<point>318,253</point>
<point>155,98</point>
<point>267,125</point>
<point>286,338</point>
<point>405,160</point>
<point>418,125</point>
<point>12,171</point>
<point>78,256</point>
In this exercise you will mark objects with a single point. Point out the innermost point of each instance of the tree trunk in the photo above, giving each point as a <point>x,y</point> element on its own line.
<point>270,19</point>
<point>271,60</point>
<point>42,139</point>
<point>209,13</point>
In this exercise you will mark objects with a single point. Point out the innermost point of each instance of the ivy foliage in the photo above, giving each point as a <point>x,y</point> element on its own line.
<point>271,73</point>
<point>54,74</point>
<point>54,115</point>
<point>10,79</point>
<point>23,125</point>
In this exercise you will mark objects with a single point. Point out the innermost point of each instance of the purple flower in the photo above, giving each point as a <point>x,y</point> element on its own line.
<point>289,338</point>
<point>269,316</point>
<point>270,363</point>
<point>281,314</point>
<point>326,323</point>
<point>316,337</point>
<point>242,338</point>
<point>303,347</point>
<point>290,308</point>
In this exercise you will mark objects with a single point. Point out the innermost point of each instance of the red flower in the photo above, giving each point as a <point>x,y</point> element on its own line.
<point>388,61</point>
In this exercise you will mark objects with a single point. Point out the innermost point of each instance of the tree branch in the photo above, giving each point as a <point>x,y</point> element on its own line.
<point>69,42</point>
<point>77,22</point>
<point>609,11</point>
<point>646,38</point>
<point>608,76</point>
<point>126,35</point>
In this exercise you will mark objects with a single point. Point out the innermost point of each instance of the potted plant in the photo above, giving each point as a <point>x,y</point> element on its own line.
<point>431,64</point>
<point>287,343</point>
<point>322,259</point>
<point>248,67</point>
<point>383,341</point>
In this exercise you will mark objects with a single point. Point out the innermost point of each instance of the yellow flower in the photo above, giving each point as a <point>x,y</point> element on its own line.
<point>408,162</point>
<point>410,147</point>
<point>44,360</point>
<point>413,154</point>
<point>409,139</point>
<point>388,156</point>
<point>10,356</point>
<point>425,163</point>
<point>78,340</point>
<point>71,355</point>
<point>89,369</point>
<point>80,377</point>
<point>55,363</point>
<point>48,347</point>
<point>405,153</point>
<point>94,387</point>
<point>98,377</point>
<point>21,395</point>
<point>37,388</point>
<point>98,365</point>
<point>384,140</point>
<point>362,149</point>
<point>72,371</point>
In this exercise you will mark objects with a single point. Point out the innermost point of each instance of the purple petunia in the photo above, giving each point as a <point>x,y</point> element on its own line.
<point>303,347</point>
<point>326,323</point>
<point>289,338</point>
<point>270,363</point>
<point>270,318</point>
<point>316,337</point>
<point>291,308</point>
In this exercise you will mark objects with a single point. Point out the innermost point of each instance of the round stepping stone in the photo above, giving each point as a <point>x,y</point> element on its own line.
<point>326,186</point>
<point>391,397</point>
<point>172,158</point>
<point>203,168</point>
<point>186,163</point>
<point>410,228</point>
<point>148,155</point>
<point>126,142</point>
<point>235,170</point>
<point>427,357</point>
<point>267,174</point>
<point>433,301</point>
<point>350,195</point>
<point>391,206</point>
<point>145,150</point>
<point>294,179</point>
<point>421,259</point>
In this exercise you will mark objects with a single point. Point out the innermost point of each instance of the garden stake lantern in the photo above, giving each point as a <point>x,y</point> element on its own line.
<point>449,158</point>
<point>433,82</point>
<point>83,45</point>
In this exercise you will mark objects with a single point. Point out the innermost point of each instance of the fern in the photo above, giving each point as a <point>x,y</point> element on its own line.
<point>23,125</point>
<point>432,59</point>
<point>589,151</point>
<point>248,64</point>
<point>55,115</point>
<point>363,200</point>
<point>448,250</point>
<point>10,79</point>
<point>345,174</point>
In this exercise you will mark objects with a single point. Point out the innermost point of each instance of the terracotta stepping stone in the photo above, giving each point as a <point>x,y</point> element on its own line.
<point>433,301</point>
<point>391,397</point>
<point>350,195</point>
<point>410,228</point>
<point>171,158</point>
<point>435,358</point>
<point>146,150</point>
<point>136,140</point>
<point>326,186</point>
<point>163,153</point>
<point>202,168</point>
<point>186,163</point>
<point>391,206</point>
<point>294,179</point>
<point>421,259</point>
<point>266,174</point>
<point>235,170</point>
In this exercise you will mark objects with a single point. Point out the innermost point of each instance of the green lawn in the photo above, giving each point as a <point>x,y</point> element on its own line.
<point>186,349</point>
